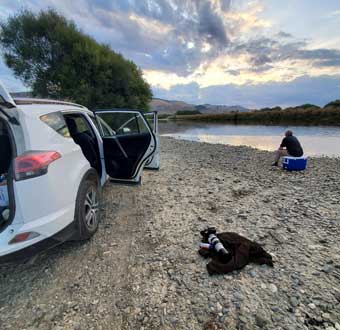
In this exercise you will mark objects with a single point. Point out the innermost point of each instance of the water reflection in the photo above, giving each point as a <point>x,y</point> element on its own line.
<point>316,141</point>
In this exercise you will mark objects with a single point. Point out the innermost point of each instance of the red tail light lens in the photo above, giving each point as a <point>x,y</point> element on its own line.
<point>34,163</point>
<point>23,237</point>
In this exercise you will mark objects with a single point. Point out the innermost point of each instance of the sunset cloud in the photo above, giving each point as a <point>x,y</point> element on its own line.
<point>207,43</point>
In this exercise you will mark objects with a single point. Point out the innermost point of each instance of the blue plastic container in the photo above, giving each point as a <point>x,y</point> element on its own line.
<point>294,163</point>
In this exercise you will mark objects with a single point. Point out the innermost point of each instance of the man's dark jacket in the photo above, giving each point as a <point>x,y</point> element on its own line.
<point>241,252</point>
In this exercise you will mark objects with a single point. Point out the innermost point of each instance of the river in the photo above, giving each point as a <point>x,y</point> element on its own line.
<point>315,140</point>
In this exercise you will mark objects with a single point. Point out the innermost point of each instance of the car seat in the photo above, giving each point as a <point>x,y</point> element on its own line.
<point>85,142</point>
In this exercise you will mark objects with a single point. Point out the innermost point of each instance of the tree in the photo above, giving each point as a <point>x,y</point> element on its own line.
<point>56,60</point>
<point>335,104</point>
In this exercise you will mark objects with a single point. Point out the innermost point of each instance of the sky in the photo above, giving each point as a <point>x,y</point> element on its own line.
<point>255,53</point>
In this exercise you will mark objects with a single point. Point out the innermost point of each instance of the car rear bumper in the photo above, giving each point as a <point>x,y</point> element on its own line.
<point>47,243</point>
<point>50,230</point>
<point>42,245</point>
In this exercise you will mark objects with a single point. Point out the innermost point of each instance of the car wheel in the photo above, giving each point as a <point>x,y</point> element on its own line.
<point>87,209</point>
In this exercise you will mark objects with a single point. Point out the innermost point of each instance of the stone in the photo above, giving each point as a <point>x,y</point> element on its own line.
<point>326,316</point>
<point>252,273</point>
<point>337,296</point>
<point>327,268</point>
<point>273,288</point>
<point>260,321</point>
<point>219,307</point>
<point>294,301</point>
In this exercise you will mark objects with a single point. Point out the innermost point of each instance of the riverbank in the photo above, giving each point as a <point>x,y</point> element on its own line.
<point>142,271</point>
<point>329,115</point>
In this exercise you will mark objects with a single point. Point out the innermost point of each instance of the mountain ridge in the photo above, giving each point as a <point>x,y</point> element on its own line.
<point>172,106</point>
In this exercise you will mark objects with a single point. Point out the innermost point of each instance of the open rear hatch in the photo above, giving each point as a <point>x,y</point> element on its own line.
<point>8,119</point>
<point>6,160</point>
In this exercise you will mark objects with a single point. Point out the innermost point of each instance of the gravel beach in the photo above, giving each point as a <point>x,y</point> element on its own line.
<point>142,271</point>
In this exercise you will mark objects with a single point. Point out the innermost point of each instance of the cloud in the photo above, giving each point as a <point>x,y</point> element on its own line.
<point>195,44</point>
<point>283,34</point>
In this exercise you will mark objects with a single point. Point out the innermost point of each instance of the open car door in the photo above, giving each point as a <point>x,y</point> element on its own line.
<point>128,143</point>
<point>153,163</point>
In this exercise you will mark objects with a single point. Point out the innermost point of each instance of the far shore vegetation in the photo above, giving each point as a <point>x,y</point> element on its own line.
<point>307,114</point>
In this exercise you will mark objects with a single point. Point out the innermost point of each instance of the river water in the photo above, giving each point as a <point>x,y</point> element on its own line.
<point>315,140</point>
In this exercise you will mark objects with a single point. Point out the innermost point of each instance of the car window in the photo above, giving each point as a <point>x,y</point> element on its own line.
<point>141,125</point>
<point>150,119</point>
<point>57,122</point>
<point>107,130</point>
<point>124,122</point>
<point>81,123</point>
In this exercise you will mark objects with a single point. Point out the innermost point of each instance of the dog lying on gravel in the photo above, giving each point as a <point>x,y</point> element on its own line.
<point>241,252</point>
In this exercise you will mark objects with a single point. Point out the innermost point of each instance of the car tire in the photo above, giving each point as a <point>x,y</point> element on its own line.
<point>87,212</point>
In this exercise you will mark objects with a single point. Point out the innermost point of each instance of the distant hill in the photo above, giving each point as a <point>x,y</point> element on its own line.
<point>21,94</point>
<point>171,107</point>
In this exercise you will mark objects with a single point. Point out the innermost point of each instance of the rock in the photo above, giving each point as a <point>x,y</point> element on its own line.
<point>294,301</point>
<point>261,321</point>
<point>272,288</point>
<point>327,268</point>
<point>219,307</point>
<point>337,296</point>
<point>311,306</point>
<point>326,316</point>
<point>252,273</point>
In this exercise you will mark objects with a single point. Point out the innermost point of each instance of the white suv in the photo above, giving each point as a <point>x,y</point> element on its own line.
<point>54,158</point>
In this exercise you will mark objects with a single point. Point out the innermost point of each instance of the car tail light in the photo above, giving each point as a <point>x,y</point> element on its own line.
<point>34,163</point>
<point>23,237</point>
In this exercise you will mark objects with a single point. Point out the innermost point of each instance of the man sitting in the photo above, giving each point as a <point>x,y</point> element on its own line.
<point>290,146</point>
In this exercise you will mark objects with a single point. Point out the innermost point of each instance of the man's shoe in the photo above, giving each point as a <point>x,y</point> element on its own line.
<point>275,164</point>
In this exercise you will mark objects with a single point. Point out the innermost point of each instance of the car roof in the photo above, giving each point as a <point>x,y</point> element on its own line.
<point>38,107</point>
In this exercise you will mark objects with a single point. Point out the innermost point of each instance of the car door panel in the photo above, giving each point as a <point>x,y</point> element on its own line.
<point>123,154</point>
<point>153,162</point>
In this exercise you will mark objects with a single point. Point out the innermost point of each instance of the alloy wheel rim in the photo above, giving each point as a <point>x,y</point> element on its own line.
<point>91,209</point>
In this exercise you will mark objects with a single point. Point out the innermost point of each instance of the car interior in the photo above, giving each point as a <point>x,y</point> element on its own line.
<point>82,134</point>
<point>5,162</point>
<point>5,149</point>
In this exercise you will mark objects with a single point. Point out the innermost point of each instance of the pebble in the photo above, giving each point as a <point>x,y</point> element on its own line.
<point>294,301</point>
<point>326,316</point>
<point>260,321</point>
<point>337,296</point>
<point>327,268</point>
<point>273,288</point>
<point>219,307</point>
<point>154,270</point>
<point>252,273</point>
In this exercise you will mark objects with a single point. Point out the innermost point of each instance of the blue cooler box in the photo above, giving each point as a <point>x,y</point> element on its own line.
<point>294,163</point>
